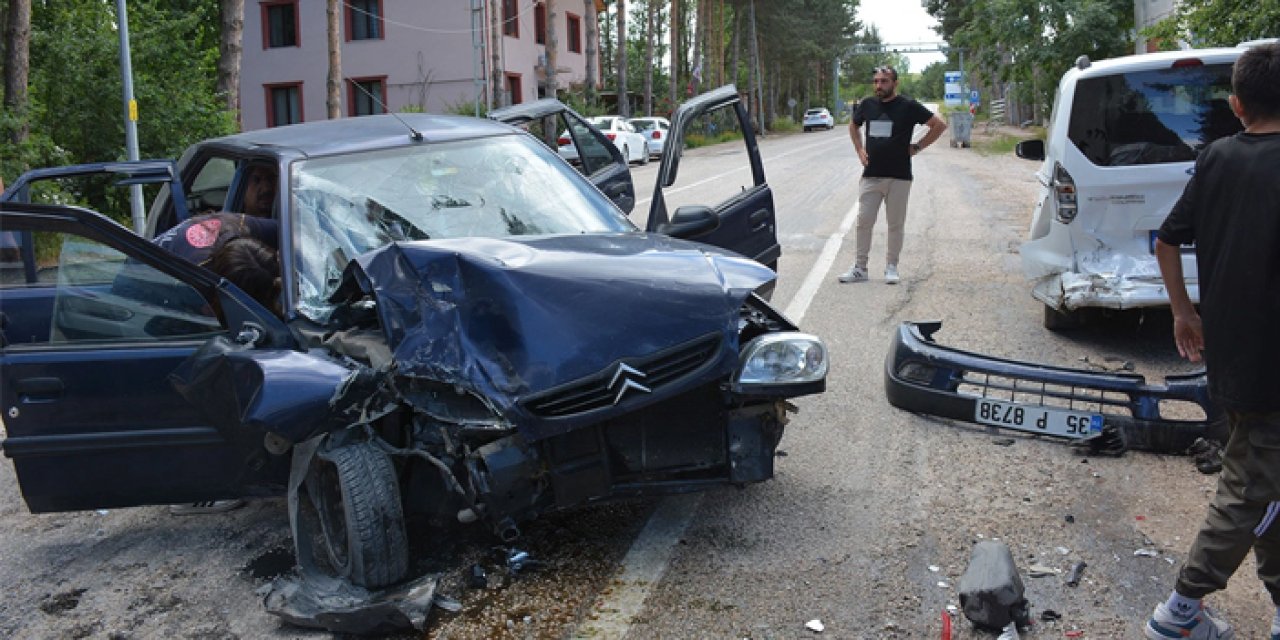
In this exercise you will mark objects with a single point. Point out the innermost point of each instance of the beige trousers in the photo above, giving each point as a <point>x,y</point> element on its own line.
<point>1245,513</point>
<point>893,193</point>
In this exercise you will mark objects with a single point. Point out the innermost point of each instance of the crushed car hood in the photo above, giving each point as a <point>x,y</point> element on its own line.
<point>511,317</point>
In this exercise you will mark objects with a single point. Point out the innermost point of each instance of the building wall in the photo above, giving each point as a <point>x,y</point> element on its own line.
<point>426,55</point>
<point>1146,13</point>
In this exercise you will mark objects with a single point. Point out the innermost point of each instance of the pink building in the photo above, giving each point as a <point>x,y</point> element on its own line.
<point>419,55</point>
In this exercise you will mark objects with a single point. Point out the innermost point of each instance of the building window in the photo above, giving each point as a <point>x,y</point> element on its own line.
<point>514,88</point>
<point>511,18</point>
<point>575,32</point>
<point>284,104</point>
<point>368,96</point>
<point>364,19</point>
<point>279,24</point>
<point>540,23</point>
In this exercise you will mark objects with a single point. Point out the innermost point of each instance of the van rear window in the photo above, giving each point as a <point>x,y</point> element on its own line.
<point>1152,117</point>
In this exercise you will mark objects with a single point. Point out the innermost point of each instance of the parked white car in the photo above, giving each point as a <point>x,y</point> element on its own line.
<point>634,146</point>
<point>654,130</point>
<point>1123,138</point>
<point>818,118</point>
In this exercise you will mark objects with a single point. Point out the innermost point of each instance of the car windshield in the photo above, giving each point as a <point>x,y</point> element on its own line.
<point>346,205</point>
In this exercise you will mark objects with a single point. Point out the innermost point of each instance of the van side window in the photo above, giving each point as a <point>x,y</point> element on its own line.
<point>1152,117</point>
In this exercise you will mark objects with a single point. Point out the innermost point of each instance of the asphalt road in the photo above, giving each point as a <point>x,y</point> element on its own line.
<point>867,526</point>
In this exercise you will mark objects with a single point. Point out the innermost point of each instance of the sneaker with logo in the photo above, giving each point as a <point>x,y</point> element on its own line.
<point>891,274</point>
<point>1204,625</point>
<point>854,274</point>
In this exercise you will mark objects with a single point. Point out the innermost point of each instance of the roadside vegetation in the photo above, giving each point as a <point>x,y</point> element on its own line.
<point>62,91</point>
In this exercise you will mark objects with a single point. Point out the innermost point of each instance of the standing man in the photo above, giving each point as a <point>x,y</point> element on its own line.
<point>1231,211</point>
<point>890,120</point>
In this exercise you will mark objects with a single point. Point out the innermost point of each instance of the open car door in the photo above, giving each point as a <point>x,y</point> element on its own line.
<point>744,220</point>
<point>95,320</point>
<point>578,142</point>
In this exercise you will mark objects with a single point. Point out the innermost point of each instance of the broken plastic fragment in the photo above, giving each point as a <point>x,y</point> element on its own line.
<point>446,603</point>
<point>321,602</point>
<point>1146,553</point>
<point>814,625</point>
<point>1040,571</point>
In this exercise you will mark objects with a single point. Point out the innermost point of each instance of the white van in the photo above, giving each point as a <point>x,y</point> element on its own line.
<point>1122,143</point>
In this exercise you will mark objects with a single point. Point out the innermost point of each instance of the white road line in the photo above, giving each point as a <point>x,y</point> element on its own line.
<point>647,560</point>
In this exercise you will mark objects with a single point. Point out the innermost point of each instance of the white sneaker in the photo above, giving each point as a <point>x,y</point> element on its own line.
<point>1204,625</point>
<point>854,274</point>
<point>891,274</point>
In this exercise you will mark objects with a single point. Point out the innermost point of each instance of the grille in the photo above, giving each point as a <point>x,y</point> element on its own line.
<point>594,392</point>
<point>1060,396</point>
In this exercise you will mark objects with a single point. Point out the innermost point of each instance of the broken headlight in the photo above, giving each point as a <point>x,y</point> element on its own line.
<point>782,358</point>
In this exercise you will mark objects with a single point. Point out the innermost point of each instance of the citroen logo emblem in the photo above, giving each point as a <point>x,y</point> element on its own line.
<point>624,380</point>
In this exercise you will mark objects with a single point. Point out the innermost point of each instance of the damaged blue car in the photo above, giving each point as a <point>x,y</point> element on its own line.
<point>473,334</point>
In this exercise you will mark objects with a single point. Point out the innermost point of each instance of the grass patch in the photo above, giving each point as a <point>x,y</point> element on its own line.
<point>695,140</point>
<point>1002,143</point>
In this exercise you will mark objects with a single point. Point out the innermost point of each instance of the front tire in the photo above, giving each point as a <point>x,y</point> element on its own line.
<point>351,522</point>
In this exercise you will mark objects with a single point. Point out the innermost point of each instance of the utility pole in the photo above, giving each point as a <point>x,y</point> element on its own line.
<point>130,115</point>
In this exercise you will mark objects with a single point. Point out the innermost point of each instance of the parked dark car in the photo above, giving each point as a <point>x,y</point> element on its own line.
<point>472,332</point>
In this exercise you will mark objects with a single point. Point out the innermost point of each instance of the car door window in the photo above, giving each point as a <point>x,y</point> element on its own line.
<point>209,189</point>
<point>85,291</point>
<point>592,151</point>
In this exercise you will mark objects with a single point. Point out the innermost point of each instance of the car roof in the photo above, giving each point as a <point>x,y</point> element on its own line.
<point>1159,60</point>
<point>363,133</point>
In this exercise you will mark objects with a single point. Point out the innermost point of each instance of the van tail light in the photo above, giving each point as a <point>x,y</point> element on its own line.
<point>1183,63</point>
<point>1064,190</point>
<point>611,136</point>
<point>564,142</point>
<point>657,135</point>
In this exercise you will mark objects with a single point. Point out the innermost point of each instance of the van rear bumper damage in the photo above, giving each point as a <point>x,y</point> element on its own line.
<point>1070,291</point>
<point>925,377</point>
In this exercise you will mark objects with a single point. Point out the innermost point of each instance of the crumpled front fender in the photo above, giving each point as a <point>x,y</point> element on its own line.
<point>248,393</point>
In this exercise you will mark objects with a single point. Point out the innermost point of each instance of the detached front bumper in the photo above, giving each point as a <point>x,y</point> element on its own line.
<point>925,377</point>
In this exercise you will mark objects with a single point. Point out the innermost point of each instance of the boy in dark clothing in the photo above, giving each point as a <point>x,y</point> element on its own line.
<point>1231,211</point>
<point>889,119</point>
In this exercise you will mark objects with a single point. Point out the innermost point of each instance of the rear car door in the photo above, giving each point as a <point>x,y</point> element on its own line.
<point>95,320</point>
<point>745,219</point>
<point>558,126</point>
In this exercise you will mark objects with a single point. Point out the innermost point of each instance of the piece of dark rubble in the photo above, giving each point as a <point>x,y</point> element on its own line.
<point>1077,569</point>
<point>1049,615</point>
<point>1207,455</point>
<point>1003,442</point>
<point>1109,443</point>
<point>322,602</point>
<point>478,578</point>
<point>991,591</point>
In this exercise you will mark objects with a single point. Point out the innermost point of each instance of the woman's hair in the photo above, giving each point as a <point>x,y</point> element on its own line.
<point>251,265</point>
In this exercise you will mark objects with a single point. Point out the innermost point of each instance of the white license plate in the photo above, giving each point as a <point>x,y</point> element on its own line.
<point>1037,419</point>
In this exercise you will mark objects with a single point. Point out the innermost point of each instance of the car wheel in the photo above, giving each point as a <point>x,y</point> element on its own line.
<point>350,519</point>
<point>1055,320</point>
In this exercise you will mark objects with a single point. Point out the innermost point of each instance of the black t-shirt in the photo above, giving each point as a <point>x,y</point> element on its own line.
<point>1230,209</point>
<point>196,239</point>
<point>889,126</point>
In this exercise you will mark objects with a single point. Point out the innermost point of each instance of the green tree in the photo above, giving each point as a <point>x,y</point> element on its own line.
<point>75,112</point>
<point>1217,23</point>
<point>1032,42</point>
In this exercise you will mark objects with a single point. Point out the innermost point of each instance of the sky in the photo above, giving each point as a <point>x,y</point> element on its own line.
<point>902,22</point>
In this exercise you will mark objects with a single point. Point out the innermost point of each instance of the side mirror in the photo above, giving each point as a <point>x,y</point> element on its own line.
<point>1030,149</point>
<point>691,221</point>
